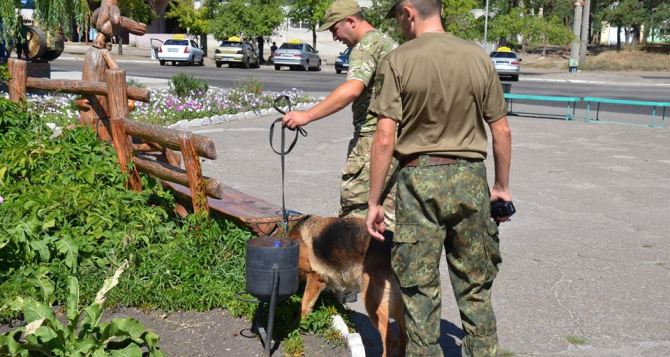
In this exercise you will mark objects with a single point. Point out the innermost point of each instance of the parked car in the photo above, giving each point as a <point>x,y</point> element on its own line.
<point>236,52</point>
<point>342,61</point>
<point>180,50</point>
<point>297,55</point>
<point>507,64</point>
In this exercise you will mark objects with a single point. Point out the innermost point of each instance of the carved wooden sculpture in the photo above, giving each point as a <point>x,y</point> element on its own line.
<point>108,21</point>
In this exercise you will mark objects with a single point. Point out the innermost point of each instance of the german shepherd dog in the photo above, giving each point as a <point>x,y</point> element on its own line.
<point>339,254</point>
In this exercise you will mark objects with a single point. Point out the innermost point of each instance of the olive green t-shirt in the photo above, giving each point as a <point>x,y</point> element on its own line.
<point>363,62</point>
<point>441,90</point>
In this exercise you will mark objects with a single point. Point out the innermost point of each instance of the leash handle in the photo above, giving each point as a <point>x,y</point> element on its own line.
<point>277,103</point>
<point>283,151</point>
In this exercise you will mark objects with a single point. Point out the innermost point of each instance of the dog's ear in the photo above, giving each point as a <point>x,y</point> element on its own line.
<point>294,226</point>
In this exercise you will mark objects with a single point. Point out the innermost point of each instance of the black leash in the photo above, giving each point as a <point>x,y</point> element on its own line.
<point>283,152</point>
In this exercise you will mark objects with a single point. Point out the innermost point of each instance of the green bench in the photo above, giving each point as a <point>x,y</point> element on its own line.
<point>569,111</point>
<point>589,118</point>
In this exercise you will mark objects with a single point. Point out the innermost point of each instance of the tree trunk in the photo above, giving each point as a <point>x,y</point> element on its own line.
<point>261,47</point>
<point>618,38</point>
<point>635,38</point>
<point>119,45</point>
<point>313,36</point>
<point>203,43</point>
<point>576,30</point>
<point>585,32</point>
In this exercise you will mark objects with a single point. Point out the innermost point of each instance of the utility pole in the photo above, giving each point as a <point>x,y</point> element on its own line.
<point>576,30</point>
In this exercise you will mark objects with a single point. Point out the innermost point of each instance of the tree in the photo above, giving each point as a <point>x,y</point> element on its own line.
<point>193,20</point>
<point>310,11</point>
<point>251,19</point>
<point>53,16</point>
<point>457,18</point>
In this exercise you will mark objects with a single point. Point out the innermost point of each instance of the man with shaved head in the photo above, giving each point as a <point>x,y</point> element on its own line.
<point>434,97</point>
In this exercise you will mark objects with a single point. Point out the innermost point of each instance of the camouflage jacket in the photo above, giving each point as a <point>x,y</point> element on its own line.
<point>363,61</point>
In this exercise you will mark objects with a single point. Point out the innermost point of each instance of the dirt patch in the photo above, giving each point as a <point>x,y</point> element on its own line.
<point>602,59</point>
<point>214,333</point>
<point>209,334</point>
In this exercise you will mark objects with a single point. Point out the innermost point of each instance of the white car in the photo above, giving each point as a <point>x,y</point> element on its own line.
<point>180,50</point>
<point>296,55</point>
<point>507,64</point>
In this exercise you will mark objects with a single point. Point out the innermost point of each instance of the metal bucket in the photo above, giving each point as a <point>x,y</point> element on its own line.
<point>263,258</point>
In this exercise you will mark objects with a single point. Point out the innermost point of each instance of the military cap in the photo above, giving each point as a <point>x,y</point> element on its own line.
<point>338,11</point>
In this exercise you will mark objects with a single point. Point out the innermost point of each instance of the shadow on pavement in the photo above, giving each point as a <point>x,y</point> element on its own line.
<point>450,336</point>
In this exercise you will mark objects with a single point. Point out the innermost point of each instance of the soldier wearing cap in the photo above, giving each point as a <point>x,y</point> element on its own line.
<point>345,21</point>
<point>434,97</point>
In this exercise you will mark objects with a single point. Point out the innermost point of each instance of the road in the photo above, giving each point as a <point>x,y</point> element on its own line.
<point>327,80</point>
<point>320,83</point>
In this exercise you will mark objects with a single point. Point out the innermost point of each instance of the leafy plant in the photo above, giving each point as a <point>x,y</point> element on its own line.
<point>4,74</point>
<point>82,333</point>
<point>183,85</point>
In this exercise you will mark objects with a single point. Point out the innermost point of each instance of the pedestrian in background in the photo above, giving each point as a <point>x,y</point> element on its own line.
<point>438,93</point>
<point>273,49</point>
<point>345,21</point>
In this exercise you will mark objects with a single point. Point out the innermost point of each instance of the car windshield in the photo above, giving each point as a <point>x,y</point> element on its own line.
<point>231,44</point>
<point>176,43</point>
<point>503,54</point>
<point>291,46</point>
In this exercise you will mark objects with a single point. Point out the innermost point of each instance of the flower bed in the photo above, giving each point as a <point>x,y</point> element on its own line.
<point>167,108</point>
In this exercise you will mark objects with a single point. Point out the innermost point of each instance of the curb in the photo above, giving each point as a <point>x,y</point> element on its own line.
<point>218,119</point>
<point>354,340</point>
<point>586,81</point>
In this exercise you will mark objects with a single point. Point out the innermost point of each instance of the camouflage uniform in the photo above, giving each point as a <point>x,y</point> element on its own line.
<point>442,91</point>
<point>363,62</point>
<point>472,248</point>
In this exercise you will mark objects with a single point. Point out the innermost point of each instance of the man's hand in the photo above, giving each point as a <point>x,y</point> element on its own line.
<point>296,119</point>
<point>375,222</point>
<point>500,195</point>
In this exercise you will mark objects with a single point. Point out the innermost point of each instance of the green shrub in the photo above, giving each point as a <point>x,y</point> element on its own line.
<point>82,333</point>
<point>184,85</point>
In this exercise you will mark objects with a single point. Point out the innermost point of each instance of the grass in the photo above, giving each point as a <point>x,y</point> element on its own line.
<point>577,340</point>
<point>602,59</point>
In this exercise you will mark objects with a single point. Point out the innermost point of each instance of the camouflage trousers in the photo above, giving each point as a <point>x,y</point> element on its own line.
<point>355,186</point>
<point>446,206</point>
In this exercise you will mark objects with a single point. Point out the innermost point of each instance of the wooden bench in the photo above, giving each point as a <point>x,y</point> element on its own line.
<point>569,112</point>
<point>262,217</point>
<point>589,118</point>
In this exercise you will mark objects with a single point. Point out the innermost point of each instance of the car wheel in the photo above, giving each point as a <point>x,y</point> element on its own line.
<point>202,60</point>
<point>246,63</point>
<point>191,60</point>
<point>306,67</point>
<point>218,64</point>
<point>338,71</point>
<point>515,78</point>
<point>162,63</point>
<point>277,67</point>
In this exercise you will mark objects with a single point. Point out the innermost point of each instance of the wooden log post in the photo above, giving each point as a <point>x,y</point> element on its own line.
<point>196,182</point>
<point>96,115</point>
<point>118,109</point>
<point>18,69</point>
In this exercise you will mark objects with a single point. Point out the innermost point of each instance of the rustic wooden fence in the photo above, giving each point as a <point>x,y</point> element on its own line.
<point>155,139</point>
